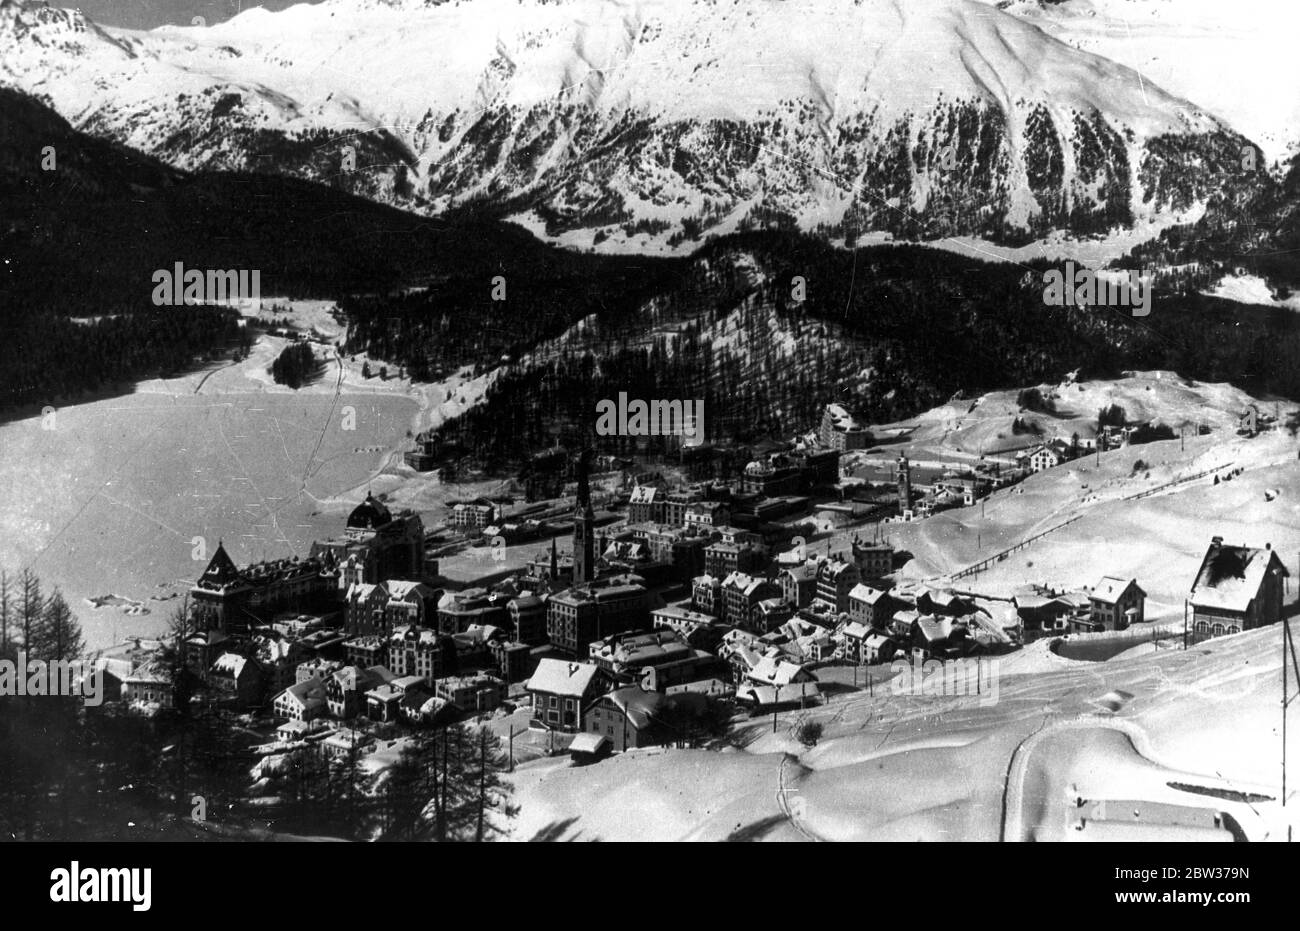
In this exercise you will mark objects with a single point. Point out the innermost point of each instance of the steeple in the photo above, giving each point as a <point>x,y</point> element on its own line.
<point>584,522</point>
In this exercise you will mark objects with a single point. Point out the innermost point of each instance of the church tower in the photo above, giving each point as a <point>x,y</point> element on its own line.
<point>584,526</point>
<point>904,484</point>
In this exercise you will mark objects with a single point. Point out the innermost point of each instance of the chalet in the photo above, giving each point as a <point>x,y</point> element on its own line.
<point>1237,588</point>
<point>775,680</point>
<point>1042,458</point>
<point>304,701</point>
<point>940,638</point>
<point>632,717</point>
<point>346,688</point>
<point>560,690</point>
<point>1116,604</point>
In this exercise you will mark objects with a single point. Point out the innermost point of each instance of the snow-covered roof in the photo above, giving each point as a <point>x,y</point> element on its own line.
<point>558,677</point>
<point>1110,588</point>
<point>1230,577</point>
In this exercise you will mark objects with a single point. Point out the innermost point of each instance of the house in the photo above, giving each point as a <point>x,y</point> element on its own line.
<point>870,606</point>
<point>943,601</point>
<point>236,679</point>
<point>279,659</point>
<point>345,689</point>
<point>1237,588</point>
<point>632,717</point>
<point>1044,457</point>
<point>799,583</point>
<point>476,694</point>
<point>706,595</point>
<point>150,684</point>
<point>775,680</point>
<point>303,701</point>
<point>1116,603</point>
<point>645,505</point>
<point>769,614</point>
<point>561,689</point>
<point>1041,615</point>
<point>940,638</point>
<point>385,701</point>
<point>317,668</point>
<point>1248,420</point>
<point>346,742</point>
<point>741,594</point>
<point>875,560</point>
<point>528,618</point>
<point>366,651</point>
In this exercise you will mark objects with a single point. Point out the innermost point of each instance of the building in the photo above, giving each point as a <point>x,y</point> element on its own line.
<point>799,583</point>
<point>474,694</point>
<point>836,577</point>
<point>150,684</point>
<point>561,689</point>
<point>363,609</point>
<point>706,595</point>
<point>410,603</point>
<point>633,717</point>
<point>875,560</point>
<point>528,618</point>
<point>345,689</point>
<point>421,652</point>
<point>904,481</point>
<point>645,505</point>
<point>377,545</point>
<point>459,611</point>
<point>1044,457</point>
<point>371,650</point>
<point>1116,604</point>
<point>474,515</point>
<point>722,558</point>
<point>864,644</point>
<point>423,457</point>
<point>229,599</point>
<point>741,594</point>
<point>236,679</point>
<point>871,607</point>
<point>584,526</point>
<point>304,701</point>
<point>1237,588</point>
<point>840,431</point>
<point>578,616</point>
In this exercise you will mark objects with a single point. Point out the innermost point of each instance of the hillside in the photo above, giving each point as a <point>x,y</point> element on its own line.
<point>651,124</point>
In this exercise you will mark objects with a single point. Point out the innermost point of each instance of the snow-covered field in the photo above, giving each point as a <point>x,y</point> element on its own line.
<point>905,768</point>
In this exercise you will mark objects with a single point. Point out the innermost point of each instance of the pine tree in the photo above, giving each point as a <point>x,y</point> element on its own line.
<point>58,637</point>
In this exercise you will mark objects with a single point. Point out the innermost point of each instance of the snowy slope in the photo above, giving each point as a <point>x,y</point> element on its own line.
<point>1237,60</point>
<point>677,117</point>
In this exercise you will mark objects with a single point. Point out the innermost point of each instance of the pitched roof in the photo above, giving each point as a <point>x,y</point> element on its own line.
<point>558,677</point>
<point>1110,588</point>
<point>1230,577</point>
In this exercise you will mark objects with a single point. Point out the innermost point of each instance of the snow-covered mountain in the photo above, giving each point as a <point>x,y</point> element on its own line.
<point>650,121</point>
<point>1237,59</point>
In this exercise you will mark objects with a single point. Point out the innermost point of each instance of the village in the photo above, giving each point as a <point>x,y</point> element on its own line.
<point>668,614</point>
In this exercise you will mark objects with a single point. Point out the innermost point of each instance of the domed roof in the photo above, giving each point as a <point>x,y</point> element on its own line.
<point>369,515</point>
